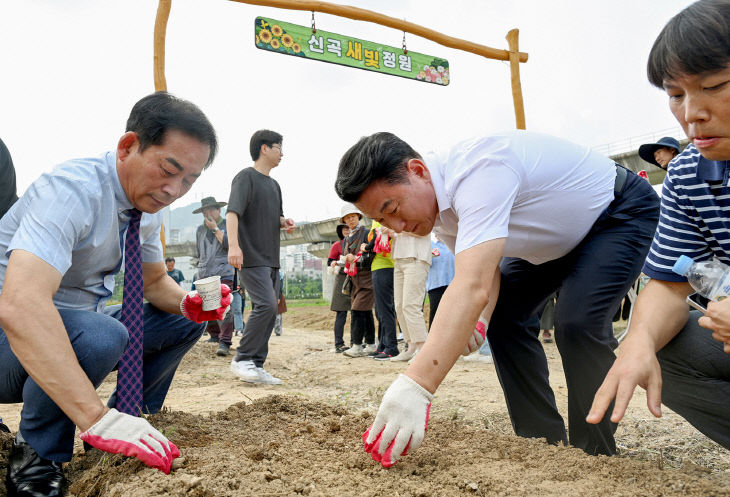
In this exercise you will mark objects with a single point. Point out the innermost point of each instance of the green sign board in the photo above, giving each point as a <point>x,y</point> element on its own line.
<point>302,41</point>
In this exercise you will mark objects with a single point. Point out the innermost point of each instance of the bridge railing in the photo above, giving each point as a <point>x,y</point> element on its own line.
<point>633,143</point>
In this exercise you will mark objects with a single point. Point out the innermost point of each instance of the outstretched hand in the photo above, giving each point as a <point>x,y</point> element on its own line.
<point>637,365</point>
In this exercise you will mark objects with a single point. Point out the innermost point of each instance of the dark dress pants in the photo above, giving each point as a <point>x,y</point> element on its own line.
<point>593,279</point>
<point>385,310</point>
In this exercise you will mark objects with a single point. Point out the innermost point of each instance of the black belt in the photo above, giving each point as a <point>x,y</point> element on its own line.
<point>621,175</point>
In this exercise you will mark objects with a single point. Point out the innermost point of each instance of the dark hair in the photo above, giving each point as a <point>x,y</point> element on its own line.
<point>694,41</point>
<point>378,157</point>
<point>263,137</point>
<point>160,112</point>
<point>170,259</point>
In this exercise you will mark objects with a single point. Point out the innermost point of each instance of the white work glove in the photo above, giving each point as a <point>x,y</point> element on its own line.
<point>401,421</point>
<point>121,433</point>
<point>477,337</point>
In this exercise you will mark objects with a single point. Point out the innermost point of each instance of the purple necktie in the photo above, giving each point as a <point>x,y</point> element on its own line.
<point>129,376</point>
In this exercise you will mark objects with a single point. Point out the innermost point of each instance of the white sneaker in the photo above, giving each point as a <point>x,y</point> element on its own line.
<point>406,355</point>
<point>413,357</point>
<point>370,349</point>
<point>267,378</point>
<point>355,351</point>
<point>477,357</point>
<point>246,370</point>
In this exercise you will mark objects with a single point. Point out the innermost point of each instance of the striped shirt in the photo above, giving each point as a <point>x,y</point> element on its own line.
<point>695,215</point>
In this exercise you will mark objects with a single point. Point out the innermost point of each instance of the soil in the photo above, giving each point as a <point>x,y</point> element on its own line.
<point>304,437</point>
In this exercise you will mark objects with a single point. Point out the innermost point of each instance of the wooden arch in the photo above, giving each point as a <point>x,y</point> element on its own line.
<point>513,55</point>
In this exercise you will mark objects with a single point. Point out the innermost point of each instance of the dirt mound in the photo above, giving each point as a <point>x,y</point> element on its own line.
<point>304,437</point>
<point>284,445</point>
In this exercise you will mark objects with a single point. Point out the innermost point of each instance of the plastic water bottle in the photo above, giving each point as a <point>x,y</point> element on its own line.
<point>710,279</point>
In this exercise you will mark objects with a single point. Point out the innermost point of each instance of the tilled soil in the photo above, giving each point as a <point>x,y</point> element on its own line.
<point>304,437</point>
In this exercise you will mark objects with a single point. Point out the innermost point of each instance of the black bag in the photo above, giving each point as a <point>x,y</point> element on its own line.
<point>347,285</point>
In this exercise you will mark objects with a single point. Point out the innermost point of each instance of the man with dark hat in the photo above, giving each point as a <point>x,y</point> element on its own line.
<point>211,247</point>
<point>660,153</point>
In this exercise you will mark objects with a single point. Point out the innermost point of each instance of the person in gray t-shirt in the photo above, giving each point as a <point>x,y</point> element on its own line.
<point>255,213</point>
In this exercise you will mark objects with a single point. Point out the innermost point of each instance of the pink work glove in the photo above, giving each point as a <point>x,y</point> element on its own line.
<point>351,268</point>
<point>382,244</point>
<point>435,252</point>
<point>120,433</point>
<point>477,337</point>
<point>401,422</point>
<point>642,174</point>
<point>191,306</point>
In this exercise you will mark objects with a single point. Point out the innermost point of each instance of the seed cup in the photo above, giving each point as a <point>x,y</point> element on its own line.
<point>209,290</point>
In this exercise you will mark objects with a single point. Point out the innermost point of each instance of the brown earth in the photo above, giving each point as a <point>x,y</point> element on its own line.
<point>304,437</point>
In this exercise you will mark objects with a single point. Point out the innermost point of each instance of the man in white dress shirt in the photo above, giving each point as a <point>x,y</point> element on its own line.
<point>525,214</point>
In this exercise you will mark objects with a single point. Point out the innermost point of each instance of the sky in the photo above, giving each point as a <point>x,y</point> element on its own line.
<point>72,70</point>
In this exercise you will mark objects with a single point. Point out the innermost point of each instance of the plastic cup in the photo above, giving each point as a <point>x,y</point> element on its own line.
<point>209,290</point>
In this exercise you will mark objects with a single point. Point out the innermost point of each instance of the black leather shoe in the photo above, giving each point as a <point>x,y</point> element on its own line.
<point>29,475</point>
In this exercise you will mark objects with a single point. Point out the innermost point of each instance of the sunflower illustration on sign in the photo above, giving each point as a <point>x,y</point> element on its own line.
<point>271,36</point>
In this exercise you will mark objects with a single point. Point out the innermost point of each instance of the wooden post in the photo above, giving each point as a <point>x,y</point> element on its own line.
<point>514,69</point>
<point>158,69</point>
<point>163,13</point>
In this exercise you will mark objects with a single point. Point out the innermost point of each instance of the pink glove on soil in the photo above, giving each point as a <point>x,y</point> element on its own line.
<point>401,421</point>
<point>191,306</point>
<point>121,433</point>
<point>477,337</point>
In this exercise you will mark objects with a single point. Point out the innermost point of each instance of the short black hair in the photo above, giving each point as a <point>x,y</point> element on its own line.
<point>694,41</point>
<point>156,114</point>
<point>169,259</point>
<point>379,157</point>
<point>263,137</point>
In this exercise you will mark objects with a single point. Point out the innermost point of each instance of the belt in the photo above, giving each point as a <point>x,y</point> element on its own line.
<point>621,175</point>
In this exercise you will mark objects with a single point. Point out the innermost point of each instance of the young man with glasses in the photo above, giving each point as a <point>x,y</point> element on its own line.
<point>255,213</point>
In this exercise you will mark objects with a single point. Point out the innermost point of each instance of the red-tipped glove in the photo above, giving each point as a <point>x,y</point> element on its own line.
<point>477,337</point>
<point>382,244</point>
<point>401,422</point>
<point>642,174</point>
<point>351,269</point>
<point>120,433</point>
<point>191,306</point>
<point>435,252</point>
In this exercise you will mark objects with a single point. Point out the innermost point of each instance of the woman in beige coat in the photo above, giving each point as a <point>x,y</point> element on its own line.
<point>411,262</point>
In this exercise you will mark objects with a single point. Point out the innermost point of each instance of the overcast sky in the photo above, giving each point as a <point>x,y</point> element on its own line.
<point>72,69</point>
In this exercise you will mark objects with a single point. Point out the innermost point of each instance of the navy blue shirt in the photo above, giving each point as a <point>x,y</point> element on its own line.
<point>695,215</point>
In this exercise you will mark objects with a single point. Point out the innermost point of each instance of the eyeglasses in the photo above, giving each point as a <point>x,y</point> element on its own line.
<point>278,147</point>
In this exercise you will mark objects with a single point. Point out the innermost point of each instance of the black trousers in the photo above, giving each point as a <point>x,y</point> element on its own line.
<point>340,320</point>
<point>362,327</point>
<point>434,299</point>
<point>385,310</point>
<point>593,279</point>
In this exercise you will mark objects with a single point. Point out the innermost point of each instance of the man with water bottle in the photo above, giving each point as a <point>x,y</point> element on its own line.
<point>682,358</point>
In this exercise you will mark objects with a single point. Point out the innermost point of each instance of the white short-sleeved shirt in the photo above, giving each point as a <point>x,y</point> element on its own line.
<point>541,193</point>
